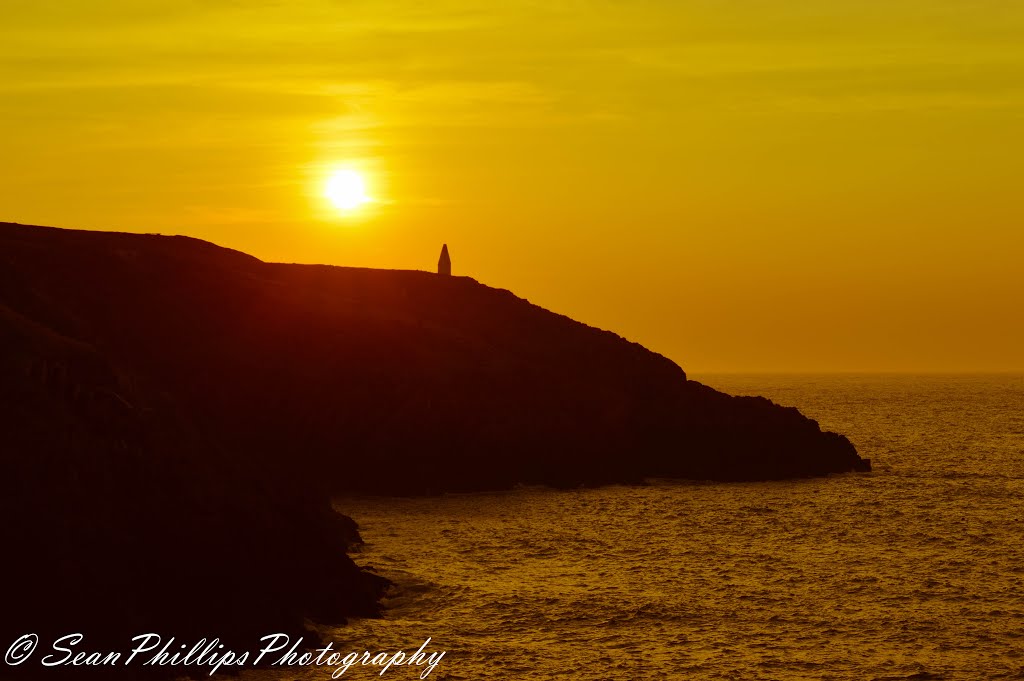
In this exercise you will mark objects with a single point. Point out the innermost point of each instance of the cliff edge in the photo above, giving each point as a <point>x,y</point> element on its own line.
<point>161,393</point>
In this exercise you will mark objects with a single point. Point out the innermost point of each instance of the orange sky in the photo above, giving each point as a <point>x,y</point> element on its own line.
<point>767,185</point>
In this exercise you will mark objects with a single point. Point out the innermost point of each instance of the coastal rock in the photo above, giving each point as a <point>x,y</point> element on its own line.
<point>177,415</point>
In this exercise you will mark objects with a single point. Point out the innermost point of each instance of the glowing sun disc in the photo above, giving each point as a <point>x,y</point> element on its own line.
<point>346,190</point>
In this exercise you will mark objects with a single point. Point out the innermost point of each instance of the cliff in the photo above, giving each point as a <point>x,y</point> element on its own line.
<point>172,406</point>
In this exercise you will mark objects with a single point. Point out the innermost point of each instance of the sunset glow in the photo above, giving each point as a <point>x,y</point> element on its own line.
<point>346,190</point>
<point>840,176</point>
<point>589,339</point>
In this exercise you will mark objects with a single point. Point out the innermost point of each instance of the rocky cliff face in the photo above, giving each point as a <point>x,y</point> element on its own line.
<point>172,406</point>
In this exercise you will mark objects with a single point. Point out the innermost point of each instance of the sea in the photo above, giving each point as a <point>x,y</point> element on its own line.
<point>912,571</point>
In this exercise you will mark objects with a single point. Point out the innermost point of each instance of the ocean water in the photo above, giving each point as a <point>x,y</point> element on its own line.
<point>914,571</point>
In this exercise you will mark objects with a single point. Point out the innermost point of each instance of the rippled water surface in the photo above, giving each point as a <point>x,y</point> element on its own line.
<point>913,571</point>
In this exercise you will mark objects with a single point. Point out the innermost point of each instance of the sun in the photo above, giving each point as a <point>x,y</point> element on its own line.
<point>346,190</point>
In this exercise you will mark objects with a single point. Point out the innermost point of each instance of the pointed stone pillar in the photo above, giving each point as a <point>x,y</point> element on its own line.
<point>444,263</point>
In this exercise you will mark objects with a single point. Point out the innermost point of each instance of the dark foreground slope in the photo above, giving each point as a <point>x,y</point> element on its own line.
<point>176,410</point>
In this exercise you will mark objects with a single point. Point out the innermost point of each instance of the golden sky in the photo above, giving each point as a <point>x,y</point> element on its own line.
<point>766,185</point>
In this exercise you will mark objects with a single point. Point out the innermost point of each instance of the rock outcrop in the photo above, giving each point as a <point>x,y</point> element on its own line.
<point>177,415</point>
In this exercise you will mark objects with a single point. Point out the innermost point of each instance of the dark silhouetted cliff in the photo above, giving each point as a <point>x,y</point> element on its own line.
<point>177,411</point>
